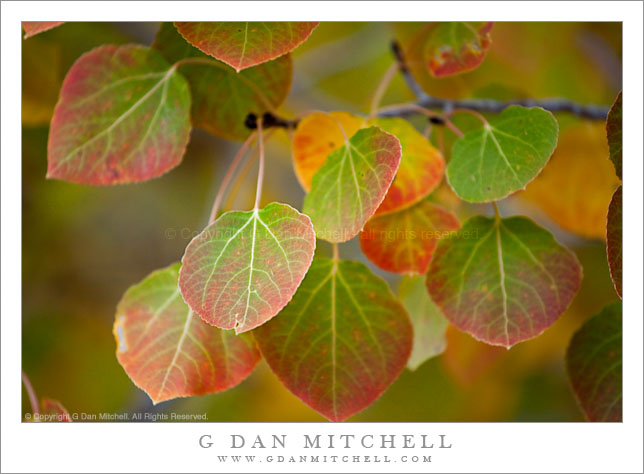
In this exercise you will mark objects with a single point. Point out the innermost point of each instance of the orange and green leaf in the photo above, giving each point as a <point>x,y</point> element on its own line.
<point>351,184</point>
<point>404,241</point>
<point>245,44</point>
<point>341,341</point>
<point>123,117</point>
<point>168,351</point>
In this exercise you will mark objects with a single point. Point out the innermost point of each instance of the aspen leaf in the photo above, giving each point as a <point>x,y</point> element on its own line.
<point>456,47</point>
<point>316,136</point>
<point>403,241</point>
<point>351,184</point>
<point>501,158</point>
<point>54,410</point>
<point>243,45</point>
<point>614,134</point>
<point>34,27</point>
<point>594,364</point>
<point>421,165</point>
<point>168,351</point>
<point>614,239</point>
<point>245,267</point>
<point>123,116</point>
<point>221,98</point>
<point>428,322</point>
<point>503,281</point>
<point>341,341</point>
<point>583,178</point>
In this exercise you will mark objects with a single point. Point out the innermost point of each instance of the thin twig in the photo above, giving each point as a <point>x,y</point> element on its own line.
<point>229,174</point>
<point>382,88</point>
<point>33,399</point>
<point>260,173</point>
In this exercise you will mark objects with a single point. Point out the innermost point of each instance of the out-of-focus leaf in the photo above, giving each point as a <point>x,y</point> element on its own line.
<point>221,98</point>
<point>351,184</point>
<point>404,241</point>
<point>54,411</point>
<point>421,166</point>
<point>341,341</point>
<point>594,363</point>
<point>34,27</point>
<point>243,45</point>
<point>502,280</point>
<point>169,352</point>
<point>428,322</point>
<point>574,189</point>
<point>457,47</point>
<point>614,239</point>
<point>614,134</point>
<point>122,117</point>
<point>316,136</point>
<point>502,157</point>
<point>246,266</point>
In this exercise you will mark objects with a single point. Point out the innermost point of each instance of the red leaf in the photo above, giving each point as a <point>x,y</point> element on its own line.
<point>242,45</point>
<point>34,27</point>
<point>614,239</point>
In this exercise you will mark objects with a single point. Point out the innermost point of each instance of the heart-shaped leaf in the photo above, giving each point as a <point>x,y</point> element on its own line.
<point>316,136</point>
<point>457,47</point>
<point>341,341</point>
<point>504,156</point>
<point>243,268</point>
<point>614,239</point>
<point>123,116</point>
<point>594,364</point>
<point>168,351</point>
<point>583,178</point>
<point>243,45</point>
<point>614,134</point>
<point>428,322</point>
<point>34,27</point>
<point>403,241</point>
<point>53,410</point>
<point>221,98</point>
<point>351,184</point>
<point>502,280</point>
<point>421,166</point>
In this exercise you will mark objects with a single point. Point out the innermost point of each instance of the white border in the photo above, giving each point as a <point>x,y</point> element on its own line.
<point>500,447</point>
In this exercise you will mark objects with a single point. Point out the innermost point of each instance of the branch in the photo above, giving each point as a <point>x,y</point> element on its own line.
<point>588,111</point>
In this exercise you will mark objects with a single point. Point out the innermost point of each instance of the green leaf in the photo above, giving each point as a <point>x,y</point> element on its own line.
<point>404,241</point>
<point>614,134</point>
<point>123,117</point>
<point>428,322</point>
<point>502,157</point>
<point>594,364</point>
<point>243,45</point>
<point>421,166</point>
<point>222,99</point>
<point>341,341</point>
<point>502,280</point>
<point>351,184</point>
<point>457,47</point>
<point>243,268</point>
<point>169,352</point>
<point>614,239</point>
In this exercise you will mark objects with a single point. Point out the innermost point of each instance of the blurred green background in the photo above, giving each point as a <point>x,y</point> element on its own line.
<point>84,246</point>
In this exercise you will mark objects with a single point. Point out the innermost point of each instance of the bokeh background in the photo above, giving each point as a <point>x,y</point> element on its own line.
<point>84,246</point>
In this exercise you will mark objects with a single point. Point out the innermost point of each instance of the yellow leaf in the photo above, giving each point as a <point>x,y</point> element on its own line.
<point>576,186</point>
